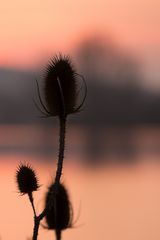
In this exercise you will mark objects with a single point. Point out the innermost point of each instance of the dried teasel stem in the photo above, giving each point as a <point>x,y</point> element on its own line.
<point>62,134</point>
<point>36,228</point>
<point>32,203</point>
<point>58,234</point>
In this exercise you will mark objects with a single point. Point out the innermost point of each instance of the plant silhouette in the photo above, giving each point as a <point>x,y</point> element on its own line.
<point>61,95</point>
<point>60,217</point>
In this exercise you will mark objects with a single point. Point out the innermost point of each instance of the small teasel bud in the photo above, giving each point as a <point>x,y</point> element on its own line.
<point>26,179</point>
<point>59,214</point>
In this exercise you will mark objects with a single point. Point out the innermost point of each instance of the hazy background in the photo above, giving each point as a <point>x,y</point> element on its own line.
<point>112,154</point>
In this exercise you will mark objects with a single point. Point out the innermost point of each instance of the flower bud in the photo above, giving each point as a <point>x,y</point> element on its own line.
<point>59,214</point>
<point>26,179</point>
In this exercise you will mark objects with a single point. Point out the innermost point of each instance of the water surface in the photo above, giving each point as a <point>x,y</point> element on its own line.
<point>110,201</point>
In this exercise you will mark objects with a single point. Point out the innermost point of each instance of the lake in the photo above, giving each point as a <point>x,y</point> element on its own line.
<point>115,198</point>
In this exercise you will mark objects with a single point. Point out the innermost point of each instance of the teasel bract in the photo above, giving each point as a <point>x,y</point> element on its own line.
<point>59,214</point>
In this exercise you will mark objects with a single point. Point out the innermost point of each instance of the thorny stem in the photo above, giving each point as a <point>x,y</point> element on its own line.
<point>58,234</point>
<point>61,149</point>
<point>32,203</point>
<point>36,219</point>
<point>36,227</point>
<point>62,133</point>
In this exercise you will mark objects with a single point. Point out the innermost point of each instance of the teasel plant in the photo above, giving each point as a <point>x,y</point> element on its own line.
<point>62,96</point>
<point>27,182</point>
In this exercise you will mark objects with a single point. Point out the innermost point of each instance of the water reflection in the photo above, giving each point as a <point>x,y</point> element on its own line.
<point>115,199</point>
<point>89,145</point>
<point>120,202</point>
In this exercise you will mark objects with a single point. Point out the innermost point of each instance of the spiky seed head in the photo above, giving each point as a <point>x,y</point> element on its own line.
<point>59,215</point>
<point>60,86</point>
<point>26,179</point>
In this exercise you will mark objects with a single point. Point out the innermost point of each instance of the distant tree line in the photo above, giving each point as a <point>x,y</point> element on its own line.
<point>115,93</point>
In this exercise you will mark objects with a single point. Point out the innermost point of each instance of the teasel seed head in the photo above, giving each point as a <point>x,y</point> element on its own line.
<point>26,179</point>
<point>61,91</point>
<point>60,86</point>
<point>59,216</point>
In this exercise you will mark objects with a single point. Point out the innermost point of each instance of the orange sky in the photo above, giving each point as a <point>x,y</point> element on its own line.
<point>32,29</point>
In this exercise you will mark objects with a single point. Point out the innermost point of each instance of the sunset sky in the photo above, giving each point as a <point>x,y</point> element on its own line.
<point>33,30</point>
